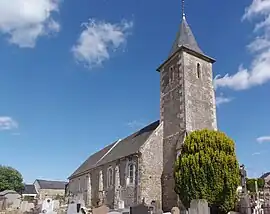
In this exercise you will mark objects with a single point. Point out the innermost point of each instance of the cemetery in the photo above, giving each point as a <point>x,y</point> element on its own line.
<point>76,205</point>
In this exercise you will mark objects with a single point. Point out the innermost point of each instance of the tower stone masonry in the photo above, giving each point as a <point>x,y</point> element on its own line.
<point>187,102</point>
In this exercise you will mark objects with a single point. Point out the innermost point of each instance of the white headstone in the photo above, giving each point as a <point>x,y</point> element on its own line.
<point>72,208</point>
<point>47,206</point>
<point>121,204</point>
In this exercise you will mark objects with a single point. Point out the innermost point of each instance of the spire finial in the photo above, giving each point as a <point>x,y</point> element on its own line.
<point>183,9</point>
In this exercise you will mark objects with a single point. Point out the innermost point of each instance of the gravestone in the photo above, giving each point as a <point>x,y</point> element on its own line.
<point>156,207</point>
<point>47,206</point>
<point>75,208</point>
<point>139,209</point>
<point>72,208</point>
<point>175,210</point>
<point>101,210</point>
<point>199,206</point>
<point>121,204</point>
<point>245,207</point>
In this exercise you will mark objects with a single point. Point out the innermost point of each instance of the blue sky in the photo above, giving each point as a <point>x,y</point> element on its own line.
<point>82,75</point>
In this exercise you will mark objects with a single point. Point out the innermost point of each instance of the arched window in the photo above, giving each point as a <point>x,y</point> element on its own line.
<point>131,174</point>
<point>198,70</point>
<point>110,177</point>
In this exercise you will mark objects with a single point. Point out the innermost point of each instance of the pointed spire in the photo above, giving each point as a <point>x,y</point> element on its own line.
<point>185,36</point>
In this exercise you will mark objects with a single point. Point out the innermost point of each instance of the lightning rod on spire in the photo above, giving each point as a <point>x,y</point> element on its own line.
<point>183,9</point>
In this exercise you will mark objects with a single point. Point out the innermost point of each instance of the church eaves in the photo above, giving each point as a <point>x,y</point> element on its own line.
<point>185,38</point>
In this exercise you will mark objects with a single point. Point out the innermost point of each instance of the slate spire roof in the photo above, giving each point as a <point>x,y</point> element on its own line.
<point>185,38</point>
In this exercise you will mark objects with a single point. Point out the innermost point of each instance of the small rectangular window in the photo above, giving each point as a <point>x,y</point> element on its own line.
<point>171,73</point>
<point>198,70</point>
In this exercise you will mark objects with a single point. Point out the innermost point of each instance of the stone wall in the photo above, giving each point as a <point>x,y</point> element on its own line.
<point>51,193</point>
<point>200,106</point>
<point>151,166</point>
<point>128,193</point>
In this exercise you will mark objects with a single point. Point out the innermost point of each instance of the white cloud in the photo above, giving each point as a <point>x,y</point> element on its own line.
<point>258,72</point>
<point>263,139</point>
<point>24,21</point>
<point>256,153</point>
<point>98,40</point>
<point>7,123</point>
<point>222,100</point>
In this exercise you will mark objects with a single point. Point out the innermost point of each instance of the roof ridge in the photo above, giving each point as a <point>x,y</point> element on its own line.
<point>108,151</point>
<point>51,181</point>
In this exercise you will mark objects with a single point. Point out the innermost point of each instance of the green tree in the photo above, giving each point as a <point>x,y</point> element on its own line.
<point>251,184</point>
<point>207,168</point>
<point>10,179</point>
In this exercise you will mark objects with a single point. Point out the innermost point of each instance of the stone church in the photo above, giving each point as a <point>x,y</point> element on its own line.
<point>140,167</point>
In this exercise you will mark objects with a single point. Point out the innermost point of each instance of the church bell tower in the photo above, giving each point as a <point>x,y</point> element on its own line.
<point>187,101</point>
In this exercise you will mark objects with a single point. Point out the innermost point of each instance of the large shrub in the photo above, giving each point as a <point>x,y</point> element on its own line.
<point>207,168</point>
<point>10,179</point>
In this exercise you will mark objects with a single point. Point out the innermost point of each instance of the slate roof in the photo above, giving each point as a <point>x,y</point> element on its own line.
<point>122,148</point>
<point>265,175</point>
<point>5,192</point>
<point>185,38</point>
<point>45,184</point>
<point>29,189</point>
<point>92,160</point>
